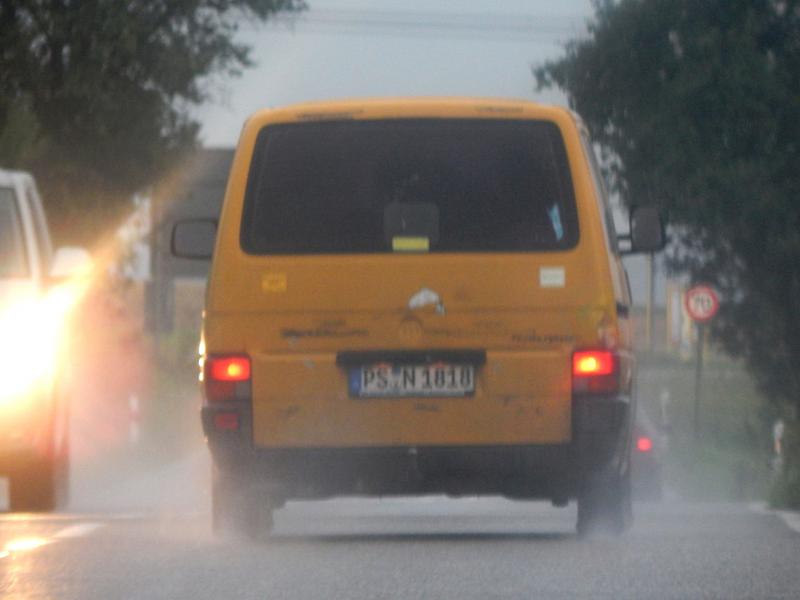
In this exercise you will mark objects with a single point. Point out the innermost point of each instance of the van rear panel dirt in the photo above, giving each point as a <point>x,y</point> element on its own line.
<point>517,362</point>
<point>411,277</point>
<point>308,402</point>
<point>416,296</point>
<point>397,236</point>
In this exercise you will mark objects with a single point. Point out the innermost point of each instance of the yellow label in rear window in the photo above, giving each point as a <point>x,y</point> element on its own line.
<point>411,244</point>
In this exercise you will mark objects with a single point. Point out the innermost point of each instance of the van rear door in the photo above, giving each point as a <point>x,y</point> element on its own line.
<point>406,250</point>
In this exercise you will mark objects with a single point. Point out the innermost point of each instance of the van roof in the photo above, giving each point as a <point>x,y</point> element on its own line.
<point>410,107</point>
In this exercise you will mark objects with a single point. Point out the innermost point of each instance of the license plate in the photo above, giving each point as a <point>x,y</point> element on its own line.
<point>397,381</point>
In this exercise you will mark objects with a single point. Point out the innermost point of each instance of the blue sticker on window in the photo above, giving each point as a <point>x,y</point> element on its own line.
<point>555,219</point>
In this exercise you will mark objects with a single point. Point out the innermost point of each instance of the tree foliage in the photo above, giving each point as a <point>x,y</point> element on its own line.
<point>696,105</point>
<point>94,94</point>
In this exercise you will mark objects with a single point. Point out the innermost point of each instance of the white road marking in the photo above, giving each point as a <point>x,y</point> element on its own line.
<point>792,519</point>
<point>59,517</point>
<point>77,530</point>
<point>53,518</point>
<point>28,544</point>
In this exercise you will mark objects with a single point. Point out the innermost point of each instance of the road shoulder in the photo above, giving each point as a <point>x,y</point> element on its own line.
<point>789,517</point>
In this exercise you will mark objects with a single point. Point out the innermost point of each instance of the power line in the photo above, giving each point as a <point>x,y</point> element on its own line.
<point>499,26</point>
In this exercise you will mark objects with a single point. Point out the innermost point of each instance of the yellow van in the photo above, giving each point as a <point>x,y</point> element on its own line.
<point>416,296</point>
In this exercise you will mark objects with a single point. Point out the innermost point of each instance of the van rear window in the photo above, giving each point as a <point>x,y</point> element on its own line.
<point>437,185</point>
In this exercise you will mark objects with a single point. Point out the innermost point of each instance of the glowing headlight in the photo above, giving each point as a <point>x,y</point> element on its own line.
<point>32,331</point>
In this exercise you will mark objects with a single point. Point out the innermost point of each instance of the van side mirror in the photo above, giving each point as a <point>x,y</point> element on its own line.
<point>70,261</point>
<point>194,238</point>
<point>646,230</point>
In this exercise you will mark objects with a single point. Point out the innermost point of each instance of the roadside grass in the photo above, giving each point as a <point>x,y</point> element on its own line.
<point>730,457</point>
<point>171,418</point>
<point>785,492</point>
<point>116,365</point>
<point>171,414</point>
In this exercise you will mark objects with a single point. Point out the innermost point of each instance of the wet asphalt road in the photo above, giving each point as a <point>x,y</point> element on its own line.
<point>398,548</point>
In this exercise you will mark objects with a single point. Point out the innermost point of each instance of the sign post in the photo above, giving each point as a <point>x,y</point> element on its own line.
<point>702,304</point>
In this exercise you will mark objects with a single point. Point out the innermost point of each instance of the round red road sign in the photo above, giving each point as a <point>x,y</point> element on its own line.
<point>701,303</point>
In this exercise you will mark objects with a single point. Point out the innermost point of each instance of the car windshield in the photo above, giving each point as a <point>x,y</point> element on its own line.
<point>363,187</point>
<point>12,246</point>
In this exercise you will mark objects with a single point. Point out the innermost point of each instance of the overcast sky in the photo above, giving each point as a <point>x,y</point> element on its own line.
<point>421,53</point>
<point>356,48</point>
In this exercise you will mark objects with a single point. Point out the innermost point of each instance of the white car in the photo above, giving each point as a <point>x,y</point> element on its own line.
<point>37,288</point>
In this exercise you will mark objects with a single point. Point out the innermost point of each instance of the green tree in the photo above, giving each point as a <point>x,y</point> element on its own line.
<point>94,95</point>
<point>696,106</point>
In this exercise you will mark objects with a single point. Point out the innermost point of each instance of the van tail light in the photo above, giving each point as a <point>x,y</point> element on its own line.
<point>227,377</point>
<point>595,372</point>
<point>644,444</point>
<point>229,368</point>
<point>226,421</point>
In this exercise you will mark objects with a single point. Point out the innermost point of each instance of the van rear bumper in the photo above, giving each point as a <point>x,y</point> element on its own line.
<point>600,442</point>
<point>517,471</point>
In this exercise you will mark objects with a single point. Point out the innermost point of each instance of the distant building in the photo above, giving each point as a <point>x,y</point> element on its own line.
<point>194,192</point>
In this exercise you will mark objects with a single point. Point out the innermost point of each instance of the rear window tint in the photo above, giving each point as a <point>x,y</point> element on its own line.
<point>356,186</point>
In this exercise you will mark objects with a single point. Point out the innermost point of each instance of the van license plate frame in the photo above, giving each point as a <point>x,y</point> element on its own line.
<point>437,380</point>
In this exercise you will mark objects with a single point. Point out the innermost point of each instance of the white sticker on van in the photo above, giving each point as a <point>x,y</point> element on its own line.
<point>552,277</point>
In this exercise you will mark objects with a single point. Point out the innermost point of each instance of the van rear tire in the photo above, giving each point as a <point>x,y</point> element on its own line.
<point>239,511</point>
<point>605,506</point>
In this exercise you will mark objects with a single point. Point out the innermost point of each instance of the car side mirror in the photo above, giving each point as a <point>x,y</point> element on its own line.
<point>194,238</point>
<point>70,261</point>
<point>646,230</point>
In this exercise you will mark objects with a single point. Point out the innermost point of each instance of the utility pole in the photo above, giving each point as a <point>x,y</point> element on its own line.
<point>650,302</point>
<point>159,293</point>
<point>698,377</point>
<point>702,304</point>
